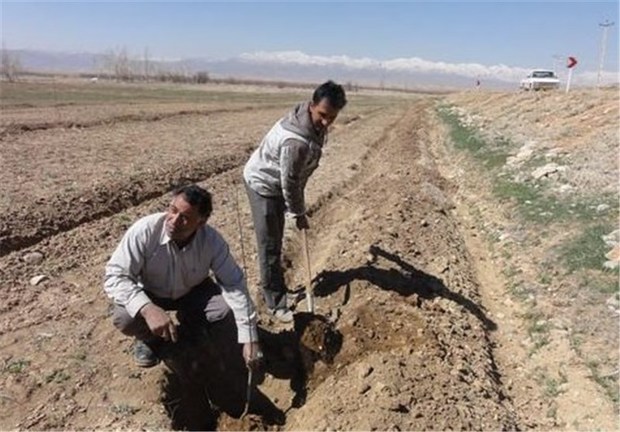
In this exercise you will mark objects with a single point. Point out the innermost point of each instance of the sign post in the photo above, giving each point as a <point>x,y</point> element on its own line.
<point>570,64</point>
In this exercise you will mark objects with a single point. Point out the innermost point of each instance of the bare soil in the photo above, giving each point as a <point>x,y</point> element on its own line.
<point>415,328</point>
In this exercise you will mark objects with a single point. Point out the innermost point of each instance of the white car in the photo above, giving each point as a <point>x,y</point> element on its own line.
<point>540,79</point>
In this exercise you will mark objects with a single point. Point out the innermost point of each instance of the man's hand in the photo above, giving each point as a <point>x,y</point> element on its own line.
<point>302,222</point>
<point>252,355</point>
<point>159,322</point>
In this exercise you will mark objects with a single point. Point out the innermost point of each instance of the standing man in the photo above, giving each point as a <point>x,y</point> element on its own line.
<point>275,178</point>
<point>163,263</point>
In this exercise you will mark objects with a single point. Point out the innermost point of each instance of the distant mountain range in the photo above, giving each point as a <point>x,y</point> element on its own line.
<point>292,66</point>
<point>249,67</point>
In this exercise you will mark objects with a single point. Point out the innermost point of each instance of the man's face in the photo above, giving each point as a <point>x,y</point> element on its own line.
<point>322,114</point>
<point>182,219</point>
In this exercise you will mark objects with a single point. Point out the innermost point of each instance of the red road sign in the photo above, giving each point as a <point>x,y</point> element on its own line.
<point>571,62</point>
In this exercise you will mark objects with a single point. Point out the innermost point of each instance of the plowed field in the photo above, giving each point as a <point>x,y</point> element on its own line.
<point>430,336</point>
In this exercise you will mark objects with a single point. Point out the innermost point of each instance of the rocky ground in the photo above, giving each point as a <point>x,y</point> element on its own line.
<point>422,321</point>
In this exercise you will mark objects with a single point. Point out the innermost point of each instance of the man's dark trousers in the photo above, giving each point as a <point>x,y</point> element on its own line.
<point>268,218</point>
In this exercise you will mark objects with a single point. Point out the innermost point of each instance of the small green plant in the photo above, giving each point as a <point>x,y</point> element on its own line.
<point>576,340</point>
<point>540,326</point>
<point>124,218</point>
<point>608,382</point>
<point>519,290</point>
<point>587,250</point>
<point>80,355</point>
<point>603,281</point>
<point>507,255</point>
<point>538,329</point>
<point>535,203</point>
<point>492,154</point>
<point>522,194</point>
<point>540,341</point>
<point>510,271</point>
<point>57,376</point>
<point>545,278</point>
<point>124,410</point>
<point>17,366</point>
<point>553,386</point>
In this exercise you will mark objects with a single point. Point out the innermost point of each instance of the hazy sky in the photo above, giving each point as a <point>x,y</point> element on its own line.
<point>516,34</point>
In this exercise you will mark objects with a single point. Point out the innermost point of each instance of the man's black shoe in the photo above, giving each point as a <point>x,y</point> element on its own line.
<point>143,355</point>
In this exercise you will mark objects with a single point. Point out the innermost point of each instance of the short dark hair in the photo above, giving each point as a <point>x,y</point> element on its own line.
<point>334,93</point>
<point>196,197</point>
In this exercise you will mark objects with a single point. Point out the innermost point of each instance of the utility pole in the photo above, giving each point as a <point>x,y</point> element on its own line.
<point>146,64</point>
<point>605,26</point>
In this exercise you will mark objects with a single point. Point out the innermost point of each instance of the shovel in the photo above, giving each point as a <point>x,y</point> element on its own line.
<point>309,295</point>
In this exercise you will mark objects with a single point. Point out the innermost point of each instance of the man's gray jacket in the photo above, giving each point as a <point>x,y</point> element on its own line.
<point>285,159</point>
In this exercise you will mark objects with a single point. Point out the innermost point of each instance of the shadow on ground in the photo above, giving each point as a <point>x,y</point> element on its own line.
<point>406,281</point>
<point>207,382</point>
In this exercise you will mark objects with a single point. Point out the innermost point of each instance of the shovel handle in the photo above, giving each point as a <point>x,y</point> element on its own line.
<point>309,296</point>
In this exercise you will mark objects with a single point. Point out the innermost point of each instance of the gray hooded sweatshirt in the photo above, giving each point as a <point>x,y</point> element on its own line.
<point>285,159</point>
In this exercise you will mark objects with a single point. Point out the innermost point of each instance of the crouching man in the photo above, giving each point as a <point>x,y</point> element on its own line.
<point>163,263</point>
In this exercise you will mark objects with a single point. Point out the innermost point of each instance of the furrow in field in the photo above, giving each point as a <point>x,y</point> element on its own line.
<point>17,127</point>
